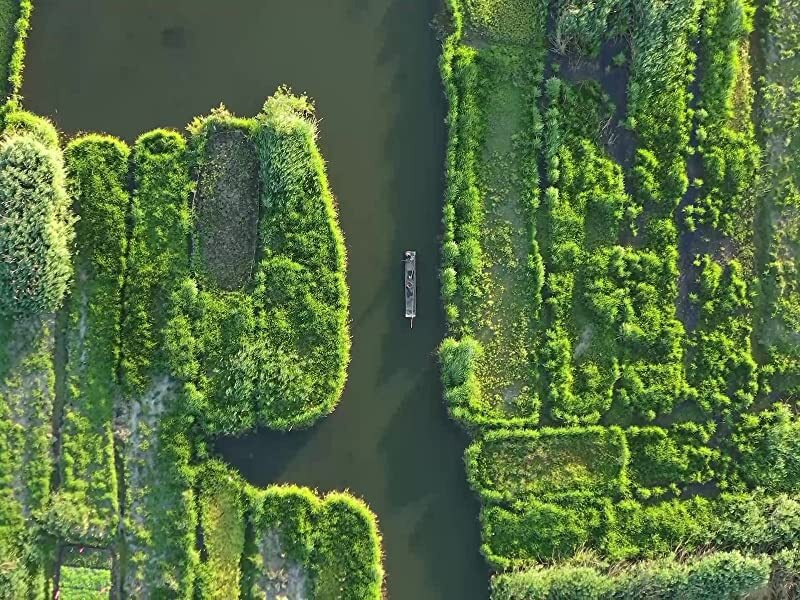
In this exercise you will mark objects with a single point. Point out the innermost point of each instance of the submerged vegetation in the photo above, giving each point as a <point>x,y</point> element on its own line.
<point>618,278</point>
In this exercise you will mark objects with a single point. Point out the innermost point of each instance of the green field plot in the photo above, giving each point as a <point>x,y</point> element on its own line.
<point>645,411</point>
<point>83,583</point>
<point>508,465</point>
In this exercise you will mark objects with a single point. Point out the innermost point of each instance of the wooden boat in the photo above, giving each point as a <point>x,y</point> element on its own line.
<point>410,284</point>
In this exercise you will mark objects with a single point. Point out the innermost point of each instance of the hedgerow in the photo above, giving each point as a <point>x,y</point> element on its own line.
<point>768,446</point>
<point>288,541</point>
<point>35,237</point>
<point>221,513</point>
<point>347,551</point>
<point>35,228</point>
<point>721,576</point>
<point>725,134</point>
<point>668,460</point>
<point>722,371</point>
<point>541,532</point>
<point>583,215</point>
<point>15,20</point>
<point>778,103</point>
<point>158,254</point>
<point>27,382</point>
<point>294,368</point>
<point>85,507</point>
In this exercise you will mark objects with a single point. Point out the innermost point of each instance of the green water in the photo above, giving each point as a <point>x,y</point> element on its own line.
<point>123,67</point>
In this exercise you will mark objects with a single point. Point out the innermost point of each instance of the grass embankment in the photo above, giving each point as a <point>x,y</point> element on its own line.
<point>274,353</point>
<point>642,290</point>
<point>34,272</point>
<point>85,508</point>
<point>285,541</point>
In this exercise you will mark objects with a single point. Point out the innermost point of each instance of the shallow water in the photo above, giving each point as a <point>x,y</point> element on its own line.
<point>124,67</point>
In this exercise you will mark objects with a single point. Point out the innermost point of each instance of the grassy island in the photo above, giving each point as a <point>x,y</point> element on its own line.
<point>619,275</point>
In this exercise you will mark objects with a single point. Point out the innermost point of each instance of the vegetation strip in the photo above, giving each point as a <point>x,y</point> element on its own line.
<point>85,508</point>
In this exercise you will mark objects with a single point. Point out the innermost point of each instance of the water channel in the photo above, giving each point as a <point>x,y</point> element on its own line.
<point>123,67</point>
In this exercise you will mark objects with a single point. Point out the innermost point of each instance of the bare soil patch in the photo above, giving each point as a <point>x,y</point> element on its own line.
<point>226,208</point>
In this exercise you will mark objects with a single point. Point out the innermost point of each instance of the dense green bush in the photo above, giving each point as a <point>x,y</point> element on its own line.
<point>160,525</point>
<point>347,551</point>
<point>668,460</point>
<point>512,21</point>
<point>726,139</point>
<point>22,122</point>
<point>723,370</point>
<point>27,382</point>
<point>86,506</point>
<point>35,228</point>
<point>542,532</point>
<point>334,541</point>
<point>82,583</point>
<point>768,444</point>
<point>654,530</point>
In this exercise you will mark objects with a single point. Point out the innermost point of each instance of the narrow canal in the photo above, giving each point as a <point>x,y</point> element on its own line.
<point>124,67</point>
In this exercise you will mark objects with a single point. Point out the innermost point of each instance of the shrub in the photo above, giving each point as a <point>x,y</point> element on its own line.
<point>769,446</point>
<point>541,532</point>
<point>35,228</point>
<point>21,122</point>
<point>652,531</point>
